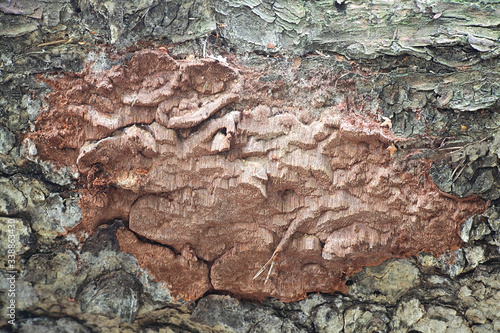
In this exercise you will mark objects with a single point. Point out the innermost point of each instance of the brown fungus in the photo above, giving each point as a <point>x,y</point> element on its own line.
<point>206,159</point>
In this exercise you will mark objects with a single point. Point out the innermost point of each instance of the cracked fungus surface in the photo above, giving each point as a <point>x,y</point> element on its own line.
<point>215,168</point>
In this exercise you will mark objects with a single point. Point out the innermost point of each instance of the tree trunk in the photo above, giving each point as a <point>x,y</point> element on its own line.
<point>165,164</point>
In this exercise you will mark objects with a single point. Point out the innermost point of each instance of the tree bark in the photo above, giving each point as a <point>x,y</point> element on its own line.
<point>170,151</point>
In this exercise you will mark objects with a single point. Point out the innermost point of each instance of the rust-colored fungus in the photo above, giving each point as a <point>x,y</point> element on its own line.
<point>200,156</point>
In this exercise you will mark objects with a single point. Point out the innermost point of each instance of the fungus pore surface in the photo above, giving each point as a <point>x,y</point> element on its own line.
<point>214,167</point>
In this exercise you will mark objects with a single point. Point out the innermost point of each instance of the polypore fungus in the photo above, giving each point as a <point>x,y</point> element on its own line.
<point>197,156</point>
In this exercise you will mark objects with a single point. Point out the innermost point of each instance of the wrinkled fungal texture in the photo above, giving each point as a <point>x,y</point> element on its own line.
<point>222,168</point>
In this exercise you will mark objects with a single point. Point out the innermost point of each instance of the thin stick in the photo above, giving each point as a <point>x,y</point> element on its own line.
<point>263,268</point>
<point>463,168</point>
<point>269,273</point>
<point>283,243</point>
<point>60,41</point>
<point>205,48</point>
<point>462,161</point>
